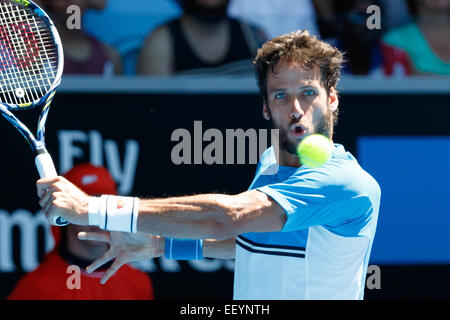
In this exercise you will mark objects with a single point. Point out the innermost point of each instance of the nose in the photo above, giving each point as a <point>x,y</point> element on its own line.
<point>297,111</point>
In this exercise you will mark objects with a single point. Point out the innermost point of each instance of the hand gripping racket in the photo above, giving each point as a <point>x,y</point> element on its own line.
<point>31,65</point>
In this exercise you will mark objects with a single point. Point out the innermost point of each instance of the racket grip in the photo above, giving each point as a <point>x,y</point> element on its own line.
<point>46,169</point>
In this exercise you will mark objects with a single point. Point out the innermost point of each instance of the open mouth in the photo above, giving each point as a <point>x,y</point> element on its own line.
<point>298,131</point>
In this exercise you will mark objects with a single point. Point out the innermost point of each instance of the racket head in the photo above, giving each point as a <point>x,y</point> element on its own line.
<point>31,55</point>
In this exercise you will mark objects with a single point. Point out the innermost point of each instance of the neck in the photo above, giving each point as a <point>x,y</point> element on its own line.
<point>202,28</point>
<point>287,159</point>
<point>434,20</point>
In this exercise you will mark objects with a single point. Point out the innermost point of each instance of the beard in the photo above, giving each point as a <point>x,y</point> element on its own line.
<point>205,14</point>
<point>323,127</point>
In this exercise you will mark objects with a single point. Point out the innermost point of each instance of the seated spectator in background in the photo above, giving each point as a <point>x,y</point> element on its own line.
<point>83,54</point>
<point>49,280</point>
<point>125,25</point>
<point>343,23</point>
<point>422,46</point>
<point>203,40</point>
<point>394,14</point>
<point>276,17</point>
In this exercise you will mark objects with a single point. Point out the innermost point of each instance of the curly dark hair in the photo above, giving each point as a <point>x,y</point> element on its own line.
<point>301,48</point>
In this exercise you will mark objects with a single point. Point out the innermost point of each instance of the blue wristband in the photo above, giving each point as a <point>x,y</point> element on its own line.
<point>183,249</point>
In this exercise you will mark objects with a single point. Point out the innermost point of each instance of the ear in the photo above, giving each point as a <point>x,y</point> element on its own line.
<point>266,112</point>
<point>333,100</point>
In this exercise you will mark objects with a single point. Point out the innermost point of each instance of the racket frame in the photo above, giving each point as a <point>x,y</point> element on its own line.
<point>43,160</point>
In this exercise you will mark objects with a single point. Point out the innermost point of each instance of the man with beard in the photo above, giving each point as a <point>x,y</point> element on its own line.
<point>202,40</point>
<point>297,233</point>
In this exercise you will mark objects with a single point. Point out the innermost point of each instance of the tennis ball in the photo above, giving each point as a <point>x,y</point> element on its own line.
<point>314,150</point>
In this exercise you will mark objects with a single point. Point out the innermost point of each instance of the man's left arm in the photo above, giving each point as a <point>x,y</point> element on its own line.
<point>205,216</point>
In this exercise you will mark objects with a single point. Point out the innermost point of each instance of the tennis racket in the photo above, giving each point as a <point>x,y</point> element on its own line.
<point>31,65</point>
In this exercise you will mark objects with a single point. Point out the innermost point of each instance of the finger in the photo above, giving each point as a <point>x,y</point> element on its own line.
<point>94,236</point>
<point>47,207</point>
<point>45,198</point>
<point>43,184</point>
<point>112,270</point>
<point>108,256</point>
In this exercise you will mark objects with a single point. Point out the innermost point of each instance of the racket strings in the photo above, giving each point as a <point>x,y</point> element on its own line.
<point>12,68</point>
<point>9,52</point>
<point>8,61</point>
<point>26,52</point>
<point>28,56</point>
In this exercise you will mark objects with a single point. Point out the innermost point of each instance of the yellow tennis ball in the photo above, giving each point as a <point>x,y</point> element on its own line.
<point>314,150</point>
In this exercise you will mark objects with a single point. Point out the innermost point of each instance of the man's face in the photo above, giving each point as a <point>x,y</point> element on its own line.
<point>211,3</point>
<point>438,5</point>
<point>207,11</point>
<point>298,104</point>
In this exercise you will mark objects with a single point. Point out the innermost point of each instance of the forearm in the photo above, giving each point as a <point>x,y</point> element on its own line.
<point>196,217</point>
<point>219,249</point>
<point>209,216</point>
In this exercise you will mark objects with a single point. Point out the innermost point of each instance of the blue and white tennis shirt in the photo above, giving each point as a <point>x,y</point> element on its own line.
<point>323,250</point>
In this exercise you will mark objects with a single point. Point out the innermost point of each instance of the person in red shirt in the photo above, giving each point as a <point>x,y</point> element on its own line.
<point>62,275</point>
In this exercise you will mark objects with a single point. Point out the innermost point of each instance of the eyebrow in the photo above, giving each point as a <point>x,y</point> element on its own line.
<point>277,90</point>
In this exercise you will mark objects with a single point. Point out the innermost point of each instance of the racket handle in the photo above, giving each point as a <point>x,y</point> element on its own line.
<point>46,169</point>
<point>45,166</point>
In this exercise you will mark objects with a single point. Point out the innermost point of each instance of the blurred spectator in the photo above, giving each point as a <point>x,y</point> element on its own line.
<point>83,54</point>
<point>49,280</point>
<point>422,46</point>
<point>343,23</point>
<point>203,40</point>
<point>125,25</point>
<point>276,17</point>
<point>395,14</point>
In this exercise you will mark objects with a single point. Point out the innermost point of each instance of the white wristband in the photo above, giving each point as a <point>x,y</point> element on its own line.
<point>135,215</point>
<point>102,212</point>
<point>114,213</point>
<point>94,211</point>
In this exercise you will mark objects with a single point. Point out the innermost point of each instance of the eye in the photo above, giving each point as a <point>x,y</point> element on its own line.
<point>280,96</point>
<point>309,92</point>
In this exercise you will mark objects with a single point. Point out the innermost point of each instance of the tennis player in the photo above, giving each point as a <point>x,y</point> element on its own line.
<point>297,233</point>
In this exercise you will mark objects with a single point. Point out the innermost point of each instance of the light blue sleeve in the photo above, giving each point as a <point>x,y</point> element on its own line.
<point>332,196</point>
